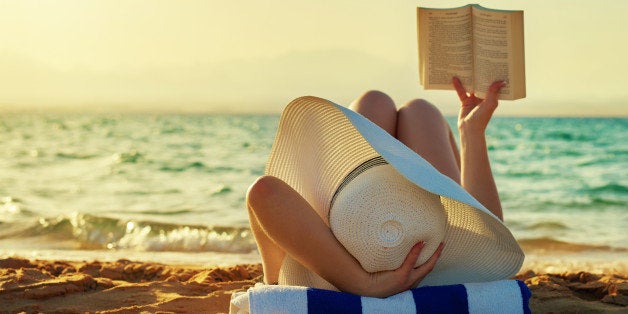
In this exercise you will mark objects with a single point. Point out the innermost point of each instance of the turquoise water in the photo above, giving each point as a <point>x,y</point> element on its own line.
<point>172,187</point>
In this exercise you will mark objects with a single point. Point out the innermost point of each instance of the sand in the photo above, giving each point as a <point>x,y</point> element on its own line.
<point>124,286</point>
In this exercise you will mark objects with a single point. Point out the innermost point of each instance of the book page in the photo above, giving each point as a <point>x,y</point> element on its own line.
<point>445,47</point>
<point>498,51</point>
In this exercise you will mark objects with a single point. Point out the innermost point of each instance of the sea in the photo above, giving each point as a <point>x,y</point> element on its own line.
<point>171,188</point>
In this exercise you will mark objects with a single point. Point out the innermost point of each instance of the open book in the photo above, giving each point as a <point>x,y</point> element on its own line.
<point>476,44</point>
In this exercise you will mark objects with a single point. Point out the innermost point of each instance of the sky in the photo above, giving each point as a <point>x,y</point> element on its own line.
<point>254,56</point>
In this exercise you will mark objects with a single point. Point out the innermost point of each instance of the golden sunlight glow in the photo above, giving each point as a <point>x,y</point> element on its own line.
<point>254,56</point>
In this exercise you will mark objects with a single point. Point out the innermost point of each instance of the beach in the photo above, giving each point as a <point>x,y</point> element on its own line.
<point>124,286</point>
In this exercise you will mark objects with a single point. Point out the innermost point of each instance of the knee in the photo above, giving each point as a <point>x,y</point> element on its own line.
<point>376,100</point>
<point>379,108</point>
<point>420,108</point>
<point>376,96</point>
<point>263,188</point>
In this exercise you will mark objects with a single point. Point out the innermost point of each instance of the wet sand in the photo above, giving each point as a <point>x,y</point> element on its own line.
<point>124,286</point>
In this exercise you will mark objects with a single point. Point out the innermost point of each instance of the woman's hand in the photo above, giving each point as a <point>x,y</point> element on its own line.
<point>475,112</point>
<point>386,283</point>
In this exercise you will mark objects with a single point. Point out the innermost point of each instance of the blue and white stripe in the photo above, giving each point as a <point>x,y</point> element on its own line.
<point>504,296</point>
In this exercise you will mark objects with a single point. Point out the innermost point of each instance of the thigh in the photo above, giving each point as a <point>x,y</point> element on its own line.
<point>422,127</point>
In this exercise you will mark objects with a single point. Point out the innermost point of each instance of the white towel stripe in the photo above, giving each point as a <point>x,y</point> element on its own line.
<point>499,297</point>
<point>402,303</point>
<point>265,299</point>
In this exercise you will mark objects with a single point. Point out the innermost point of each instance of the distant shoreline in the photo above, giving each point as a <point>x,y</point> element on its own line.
<point>148,109</point>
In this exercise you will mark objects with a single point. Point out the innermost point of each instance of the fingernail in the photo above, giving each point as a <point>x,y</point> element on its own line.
<point>420,244</point>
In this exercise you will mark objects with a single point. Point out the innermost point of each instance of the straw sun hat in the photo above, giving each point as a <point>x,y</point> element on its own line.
<point>380,198</point>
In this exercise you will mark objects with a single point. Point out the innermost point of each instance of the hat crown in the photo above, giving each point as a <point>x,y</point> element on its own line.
<point>378,215</point>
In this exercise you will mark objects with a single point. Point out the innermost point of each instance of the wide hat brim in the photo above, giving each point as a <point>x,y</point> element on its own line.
<point>319,143</point>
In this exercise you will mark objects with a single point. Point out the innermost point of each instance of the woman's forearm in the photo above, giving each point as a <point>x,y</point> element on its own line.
<point>476,175</point>
<point>312,243</point>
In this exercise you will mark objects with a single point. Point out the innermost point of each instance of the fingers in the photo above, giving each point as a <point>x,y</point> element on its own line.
<point>462,94</point>
<point>491,95</point>
<point>431,262</point>
<point>489,104</point>
<point>417,274</point>
<point>493,91</point>
<point>413,256</point>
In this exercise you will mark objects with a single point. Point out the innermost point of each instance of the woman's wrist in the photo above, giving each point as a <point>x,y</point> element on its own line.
<point>355,280</point>
<point>472,139</point>
<point>367,284</point>
<point>469,130</point>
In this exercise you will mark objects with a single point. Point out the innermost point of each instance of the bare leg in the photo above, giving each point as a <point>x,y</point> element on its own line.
<point>454,148</point>
<point>379,108</point>
<point>272,255</point>
<point>422,127</point>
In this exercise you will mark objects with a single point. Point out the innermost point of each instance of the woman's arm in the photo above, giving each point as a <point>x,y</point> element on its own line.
<point>476,175</point>
<point>292,224</point>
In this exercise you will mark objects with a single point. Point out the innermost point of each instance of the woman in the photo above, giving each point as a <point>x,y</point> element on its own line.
<point>284,222</point>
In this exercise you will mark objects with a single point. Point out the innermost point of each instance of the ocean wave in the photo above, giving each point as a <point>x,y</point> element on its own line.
<point>129,157</point>
<point>12,209</point>
<point>195,165</point>
<point>609,188</point>
<point>586,202</point>
<point>601,201</point>
<point>567,136</point>
<point>609,158</point>
<point>547,225</point>
<point>166,212</point>
<point>553,245</point>
<point>221,189</point>
<point>91,232</point>
<point>75,155</point>
<point>149,192</point>
<point>519,173</point>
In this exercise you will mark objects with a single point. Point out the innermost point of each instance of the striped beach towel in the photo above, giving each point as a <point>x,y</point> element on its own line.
<point>504,296</point>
